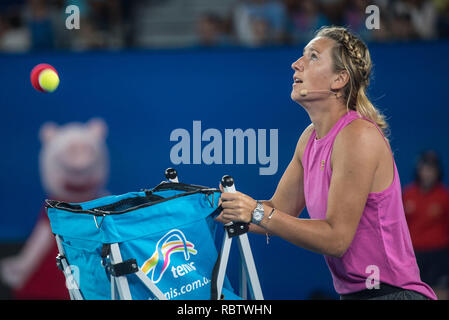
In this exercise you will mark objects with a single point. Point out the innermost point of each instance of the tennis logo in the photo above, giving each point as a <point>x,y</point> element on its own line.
<point>172,242</point>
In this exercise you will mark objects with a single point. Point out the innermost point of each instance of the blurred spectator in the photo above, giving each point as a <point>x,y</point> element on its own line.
<point>88,37</point>
<point>355,18</point>
<point>105,24</point>
<point>305,18</point>
<point>39,20</point>
<point>14,36</point>
<point>71,39</point>
<point>401,24</point>
<point>211,30</point>
<point>260,22</point>
<point>442,7</point>
<point>260,29</point>
<point>423,16</point>
<point>106,16</point>
<point>333,10</point>
<point>101,24</point>
<point>426,204</point>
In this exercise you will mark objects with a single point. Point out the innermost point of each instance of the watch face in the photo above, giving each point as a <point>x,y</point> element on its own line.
<point>258,215</point>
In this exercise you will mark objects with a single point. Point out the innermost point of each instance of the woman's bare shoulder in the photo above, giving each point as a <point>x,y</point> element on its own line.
<point>360,136</point>
<point>361,129</point>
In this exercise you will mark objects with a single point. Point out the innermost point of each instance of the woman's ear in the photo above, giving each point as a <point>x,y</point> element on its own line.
<point>340,80</point>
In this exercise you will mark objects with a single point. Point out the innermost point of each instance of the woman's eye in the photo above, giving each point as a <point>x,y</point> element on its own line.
<point>313,56</point>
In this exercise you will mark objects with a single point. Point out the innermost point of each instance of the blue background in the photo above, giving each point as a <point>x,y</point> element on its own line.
<point>144,95</point>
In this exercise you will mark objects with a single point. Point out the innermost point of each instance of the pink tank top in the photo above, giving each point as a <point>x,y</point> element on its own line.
<point>382,244</point>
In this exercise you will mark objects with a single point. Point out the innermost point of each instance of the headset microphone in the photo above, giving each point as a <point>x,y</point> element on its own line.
<point>305,92</point>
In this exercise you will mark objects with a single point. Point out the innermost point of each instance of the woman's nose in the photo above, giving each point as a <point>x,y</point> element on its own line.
<point>297,65</point>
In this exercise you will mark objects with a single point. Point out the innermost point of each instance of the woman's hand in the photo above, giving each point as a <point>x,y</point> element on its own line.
<point>236,207</point>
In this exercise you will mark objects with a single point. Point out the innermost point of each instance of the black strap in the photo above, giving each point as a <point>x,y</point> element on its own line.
<point>105,250</point>
<point>61,205</point>
<point>119,269</point>
<point>217,211</point>
<point>123,268</point>
<point>236,229</point>
<point>213,284</point>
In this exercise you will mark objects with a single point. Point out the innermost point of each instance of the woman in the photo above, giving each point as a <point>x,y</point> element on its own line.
<point>426,204</point>
<point>343,170</point>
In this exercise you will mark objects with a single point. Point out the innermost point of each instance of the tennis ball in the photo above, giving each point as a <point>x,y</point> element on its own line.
<point>49,80</point>
<point>44,78</point>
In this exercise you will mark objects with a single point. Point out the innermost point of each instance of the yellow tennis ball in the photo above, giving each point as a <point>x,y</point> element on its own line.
<point>48,80</point>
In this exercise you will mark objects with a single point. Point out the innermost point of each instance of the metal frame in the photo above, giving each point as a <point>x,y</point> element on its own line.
<point>119,285</point>
<point>247,272</point>
<point>71,284</point>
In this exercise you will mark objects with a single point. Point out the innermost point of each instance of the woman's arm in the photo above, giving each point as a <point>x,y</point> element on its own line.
<point>355,159</point>
<point>289,194</point>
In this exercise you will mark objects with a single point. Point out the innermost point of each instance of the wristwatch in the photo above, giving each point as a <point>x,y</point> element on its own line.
<point>258,213</point>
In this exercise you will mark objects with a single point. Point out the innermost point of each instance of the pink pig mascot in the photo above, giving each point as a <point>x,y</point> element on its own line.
<point>74,167</point>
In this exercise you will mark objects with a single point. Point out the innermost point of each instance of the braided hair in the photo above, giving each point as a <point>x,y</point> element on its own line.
<point>350,53</point>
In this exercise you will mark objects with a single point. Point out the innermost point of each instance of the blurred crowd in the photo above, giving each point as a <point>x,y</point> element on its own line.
<point>426,206</point>
<point>110,24</point>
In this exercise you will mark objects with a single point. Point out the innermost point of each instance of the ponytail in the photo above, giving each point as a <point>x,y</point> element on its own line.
<point>351,54</point>
<point>366,109</point>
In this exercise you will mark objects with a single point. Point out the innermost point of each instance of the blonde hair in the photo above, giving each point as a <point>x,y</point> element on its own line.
<point>351,54</point>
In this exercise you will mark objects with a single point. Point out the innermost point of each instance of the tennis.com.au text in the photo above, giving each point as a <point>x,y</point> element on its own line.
<point>225,309</point>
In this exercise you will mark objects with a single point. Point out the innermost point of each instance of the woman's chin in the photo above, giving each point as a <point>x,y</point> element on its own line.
<point>296,96</point>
